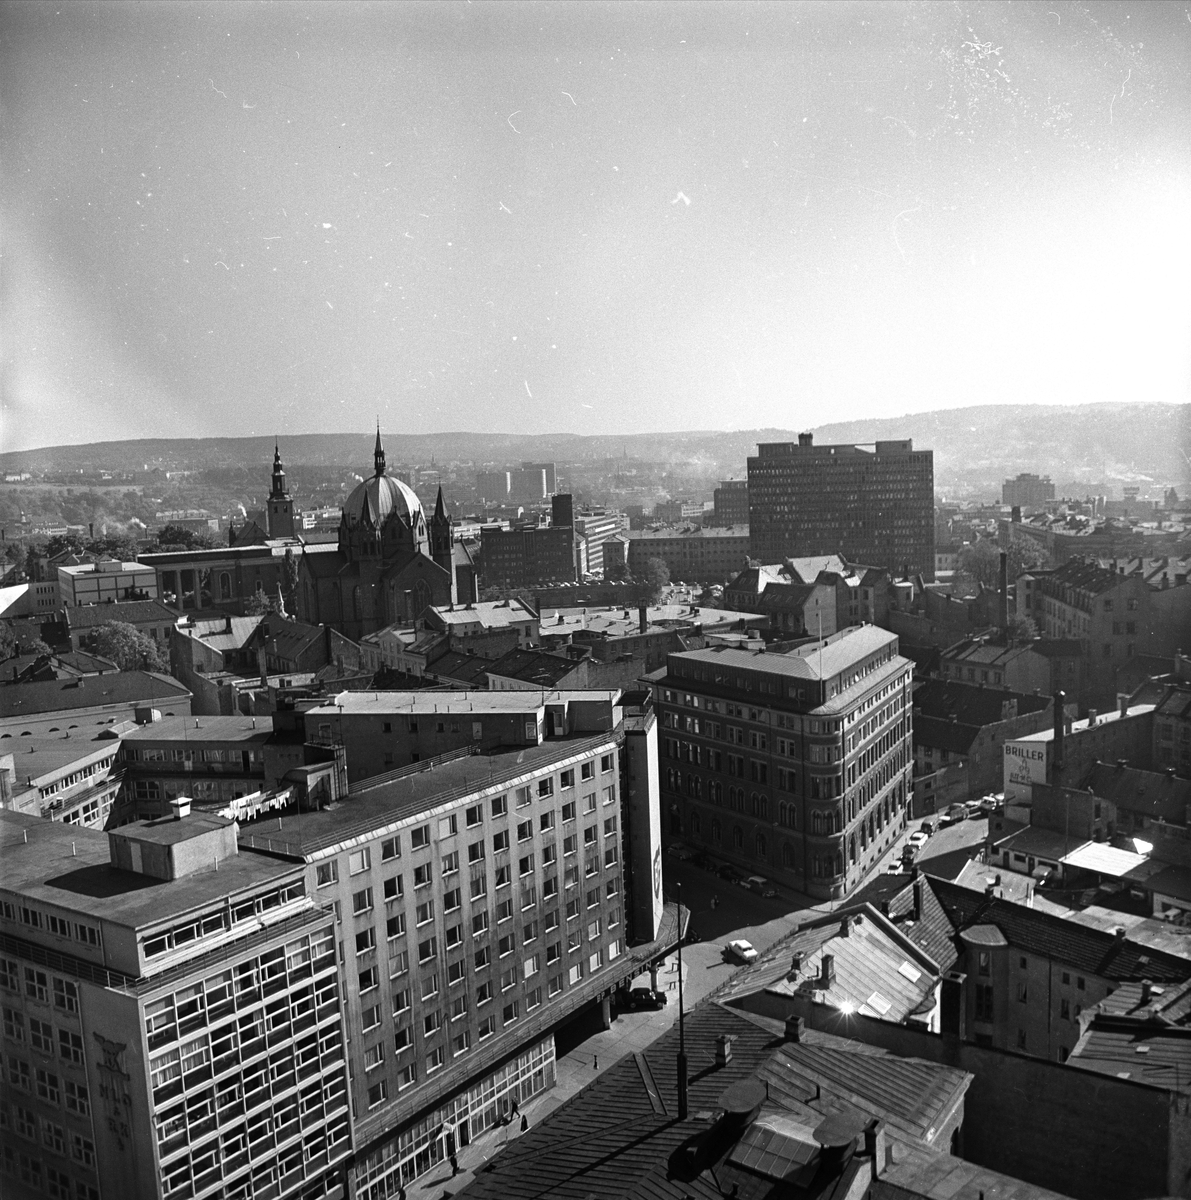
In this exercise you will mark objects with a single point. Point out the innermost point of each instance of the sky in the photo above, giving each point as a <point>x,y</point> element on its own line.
<point>232,219</point>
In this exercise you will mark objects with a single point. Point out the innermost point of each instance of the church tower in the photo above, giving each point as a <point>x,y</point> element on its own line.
<point>280,509</point>
<point>442,540</point>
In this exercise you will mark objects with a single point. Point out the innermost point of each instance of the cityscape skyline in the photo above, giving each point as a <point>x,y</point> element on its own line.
<point>226,219</point>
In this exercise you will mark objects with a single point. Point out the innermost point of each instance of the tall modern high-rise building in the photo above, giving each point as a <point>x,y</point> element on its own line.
<point>872,503</point>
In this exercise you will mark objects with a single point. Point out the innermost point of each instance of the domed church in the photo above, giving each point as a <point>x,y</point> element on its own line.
<point>391,562</point>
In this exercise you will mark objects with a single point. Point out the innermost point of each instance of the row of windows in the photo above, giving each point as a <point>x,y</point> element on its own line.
<point>44,1180</point>
<point>35,918</point>
<point>47,1085</point>
<point>220,919</point>
<point>39,986</point>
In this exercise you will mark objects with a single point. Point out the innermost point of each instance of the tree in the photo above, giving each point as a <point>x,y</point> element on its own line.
<point>1021,629</point>
<point>980,563</point>
<point>118,546</point>
<point>260,604</point>
<point>289,580</point>
<point>653,581</point>
<point>16,554</point>
<point>8,642</point>
<point>176,537</point>
<point>64,544</point>
<point>127,647</point>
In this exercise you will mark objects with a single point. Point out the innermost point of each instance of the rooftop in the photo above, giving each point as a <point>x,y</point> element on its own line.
<point>88,616</point>
<point>703,532</point>
<point>69,866</point>
<point>389,802</point>
<point>37,758</point>
<point>621,1136</point>
<point>122,687</point>
<point>1154,793</point>
<point>973,705</point>
<point>204,729</point>
<point>1046,735</point>
<point>538,667</point>
<point>491,614</point>
<point>479,700</point>
<point>1091,950</point>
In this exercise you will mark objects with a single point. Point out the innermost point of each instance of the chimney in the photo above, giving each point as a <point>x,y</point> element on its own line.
<point>1060,700</point>
<point>806,439</point>
<point>1003,598</point>
<point>1119,933</point>
<point>845,926</point>
<point>180,807</point>
<point>874,1145</point>
<point>796,963</point>
<point>1123,703</point>
<point>642,618</point>
<point>723,1049</point>
<point>1092,715</point>
<point>795,1029</point>
<point>1147,991</point>
<point>919,884</point>
<point>827,972</point>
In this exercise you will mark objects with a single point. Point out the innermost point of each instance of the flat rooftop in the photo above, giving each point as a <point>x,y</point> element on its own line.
<point>458,703</point>
<point>815,661</point>
<point>369,809</point>
<point>618,620</point>
<point>89,691</point>
<point>35,758</point>
<point>204,729</point>
<point>1108,718</point>
<point>69,867</point>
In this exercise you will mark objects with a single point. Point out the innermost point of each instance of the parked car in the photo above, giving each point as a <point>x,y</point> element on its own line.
<point>731,874</point>
<point>692,936</point>
<point>741,950</point>
<point>756,883</point>
<point>955,814</point>
<point>680,852</point>
<point>927,827</point>
<point>896,868</point>
<point>988,805</point>
<point>917,840</point>
<point>644,998</point>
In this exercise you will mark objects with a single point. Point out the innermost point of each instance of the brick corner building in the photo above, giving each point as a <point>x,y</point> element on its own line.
<point>871,504</point>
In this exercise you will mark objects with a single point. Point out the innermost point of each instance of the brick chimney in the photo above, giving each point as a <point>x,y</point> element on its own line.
<point>827,971</point>
<point>795,1029</point>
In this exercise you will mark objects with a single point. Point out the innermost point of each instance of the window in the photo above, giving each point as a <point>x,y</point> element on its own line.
<point>570,844</point>
<point>555,985</point>
<point>500,841</point>
<point>607,762</point>
<point>590,835</point>
<point>424,912</point>
<point>1065,1010</point>
<point>475,852</point>
<point>369,978</point>
<point>398,963</point>
<point>374,1056</point>
<point>504,876</point>
<point>359,860</point>
<point>402,1039</point>
<point>14,1025</point>
<point>37,985</point>
<point>479,923</point>
<point>546,821</point>
<point>400,1001</point>
<point>1022,993</point>
<point>395,926</point>
<point>394,888</point>
<point>593,897</point>
<point>378,1093</point>
<point>70,1047</point>
<point>525,865</point>
<point>456,972</point>
<point>487,1028</point>
<point>419,838</point>
<point>545,788</point>
<point>500,805</point>
<point>505,945</point>
<point>423,876</point>
<point>82,1150</point>
<point>549,854</point>
<point>568,811</point>
<point>566,779</point>
<point>362,901</point>
<point>430,985</point>
<point>66,995</point>
<point>390,848</point>
<point>9,974</point>
<point>479,886</point>
<point>448,826</point>
<point>408,1076</point>
<point>77,1100</point>
<point>1021,1039</point>
<point>427,950</point>
<point>587,770</point>
<point>510,1012</point>
<point>474,815</point>
<point>41,1035</point>
<point>47,1086</point>
<point>525,831</point>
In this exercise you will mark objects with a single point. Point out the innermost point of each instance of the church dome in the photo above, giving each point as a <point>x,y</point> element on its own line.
<point>379,498</point>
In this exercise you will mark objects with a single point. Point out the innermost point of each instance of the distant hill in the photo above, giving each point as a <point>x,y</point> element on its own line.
<point>1090,442</point>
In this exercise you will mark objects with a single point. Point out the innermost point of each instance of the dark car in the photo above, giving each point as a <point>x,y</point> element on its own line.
<point>731,874</point>
<point>692,935</point>
<point>644,998</point>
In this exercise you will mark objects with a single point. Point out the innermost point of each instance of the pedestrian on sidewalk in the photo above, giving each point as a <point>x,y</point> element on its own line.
<point>595,1062</point>
<point>524,1123</point>
<point>454,1165</point>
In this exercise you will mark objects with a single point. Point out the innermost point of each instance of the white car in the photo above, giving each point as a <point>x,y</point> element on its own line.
<point>742,951</point>
<point>917,840</point>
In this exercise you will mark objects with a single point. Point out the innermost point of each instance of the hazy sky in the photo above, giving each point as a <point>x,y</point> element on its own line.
<point>233,219</point>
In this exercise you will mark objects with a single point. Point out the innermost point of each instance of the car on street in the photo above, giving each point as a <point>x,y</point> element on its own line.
<point>895,868</point>
<point>643,998</point>
<point>731,874</point>
<point>927,827</point>
<point>917,840</point>
<point>741,950</point>
<point>988,805</point>
<point>692,936</point>
<point>680,852</point>
<point>955,814</point>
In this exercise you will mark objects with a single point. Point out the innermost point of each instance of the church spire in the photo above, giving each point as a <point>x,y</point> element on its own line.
<point>278,474</point>
<point>440,509</point>
<point>378,455</point>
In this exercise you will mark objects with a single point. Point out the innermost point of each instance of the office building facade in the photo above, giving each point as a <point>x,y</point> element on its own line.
<point>872,505</point>
<point>797,766</point>
<point>481,904</point>
<point>171,1017</point>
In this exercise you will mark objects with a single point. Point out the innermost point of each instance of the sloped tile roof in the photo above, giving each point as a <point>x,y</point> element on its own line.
<point>131,612</point>
<point>1092,951</point>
